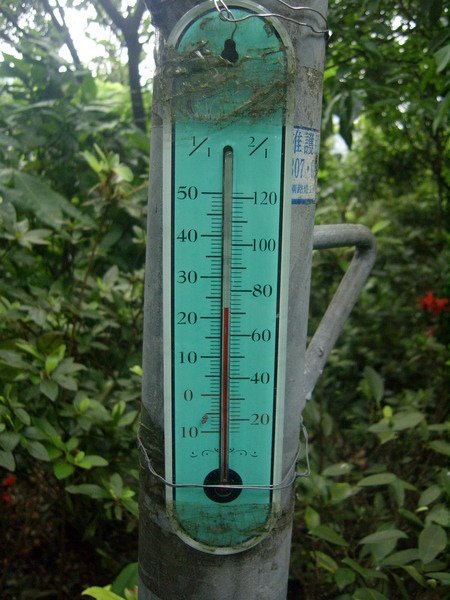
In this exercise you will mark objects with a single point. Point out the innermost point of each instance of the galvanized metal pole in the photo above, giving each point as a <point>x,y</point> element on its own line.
<point>170,569</point>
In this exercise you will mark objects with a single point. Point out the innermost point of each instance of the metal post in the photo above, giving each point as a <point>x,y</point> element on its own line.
<point>170,569</point>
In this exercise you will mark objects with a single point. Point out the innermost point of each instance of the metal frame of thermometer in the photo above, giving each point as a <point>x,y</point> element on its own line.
<point>226,223</point>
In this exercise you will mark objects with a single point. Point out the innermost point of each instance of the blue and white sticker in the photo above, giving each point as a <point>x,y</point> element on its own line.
<point>305,163</point>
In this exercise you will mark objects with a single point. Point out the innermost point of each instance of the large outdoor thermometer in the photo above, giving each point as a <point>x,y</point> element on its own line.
<point>226,219</point>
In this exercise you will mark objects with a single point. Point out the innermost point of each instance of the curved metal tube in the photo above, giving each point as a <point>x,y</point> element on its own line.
<point>324,339</point>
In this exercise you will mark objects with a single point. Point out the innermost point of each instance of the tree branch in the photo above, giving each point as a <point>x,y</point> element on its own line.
<point>128,28</point>
<point>113,14</point>
<point>136,17</point>
<point>63,31</point>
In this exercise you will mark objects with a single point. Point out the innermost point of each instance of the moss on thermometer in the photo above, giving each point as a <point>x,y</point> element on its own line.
<point>255,85</point>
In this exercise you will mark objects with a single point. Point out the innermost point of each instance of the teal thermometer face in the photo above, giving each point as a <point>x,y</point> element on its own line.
<point>226,239</point>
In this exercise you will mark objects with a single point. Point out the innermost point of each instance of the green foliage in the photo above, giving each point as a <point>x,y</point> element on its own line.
<point>124,586</point>
<point>72,243</point>
<point>389,60</point>
<point>372,520</point>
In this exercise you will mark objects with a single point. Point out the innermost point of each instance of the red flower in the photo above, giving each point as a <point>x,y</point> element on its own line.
<point>440,304</point>
<point>6,498</point>
<point>433,305</point>
<point>9,480</point>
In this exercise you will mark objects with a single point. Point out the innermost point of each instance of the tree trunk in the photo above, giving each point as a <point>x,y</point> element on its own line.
<point>169,569</point>
<point>134,49</point>
<point>129,28</point>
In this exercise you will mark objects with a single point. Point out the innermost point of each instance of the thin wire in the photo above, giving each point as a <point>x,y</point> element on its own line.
<point>226,15</point>
<point>288,480</point>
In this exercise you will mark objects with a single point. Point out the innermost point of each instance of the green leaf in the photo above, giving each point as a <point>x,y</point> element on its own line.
<point>312,518</point>
<point>410,516</point>
<point>22,415</point>
<point>7,460</point>
<point>137,370</point>
<point>34,236</point>
<point>432,540</point>
<point>92,161</point>
<point>127,579</point>
<point>344,577</point>
<point>430,495</point>
<point>131,506</point>
<point>13,359</point>
<point>398,491</point>
<point>367,574</point>
<point>414,574</point>
<point>49,430</point>
<point>356,567</point>
<point>29,349</point>
<point>38,198</point>
<point>442,57</point>
<point>406,420</point>
<point>441,447</point>
<point>325,561</point>
<point>441,112</point>
<point>443,577</point>
<point>49,389</point>
<point>383,536</point>
<point>38,315</point>
<point>62,470</point>
<point>379,226</point>
<point>95,461</point>
<point>368,594</point>
<point>53,360</point>
<point>88,489</point>
<point>375,382</point>
<point>127,418</point>
<point>403,557</point>
<point>34,433</point>
<point>101,594</point>
<point>116,485</point>
<point>68,383</point>
<point>72,444</point>
<point>338,469</point>
<point>380,479</point>
<point>324,532</point>
<point>38,450</point>
<point>54,453</point>
<point>9,440</point>
<point>342,491</point>
<point>439,514</point>
<point>123,173</point>
<point>382,549</point>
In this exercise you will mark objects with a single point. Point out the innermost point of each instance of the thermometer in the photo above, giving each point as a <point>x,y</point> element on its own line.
<point>226,221</point>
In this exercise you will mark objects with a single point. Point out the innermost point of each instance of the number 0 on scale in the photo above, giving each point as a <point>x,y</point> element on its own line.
<point>226,223</point>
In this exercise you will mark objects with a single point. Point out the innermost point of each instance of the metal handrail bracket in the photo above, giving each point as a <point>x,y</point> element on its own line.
<point>345,297</point>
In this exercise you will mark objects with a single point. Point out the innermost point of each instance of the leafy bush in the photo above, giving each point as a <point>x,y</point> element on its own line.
<point>372,520</point>
<point>72,242</point>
